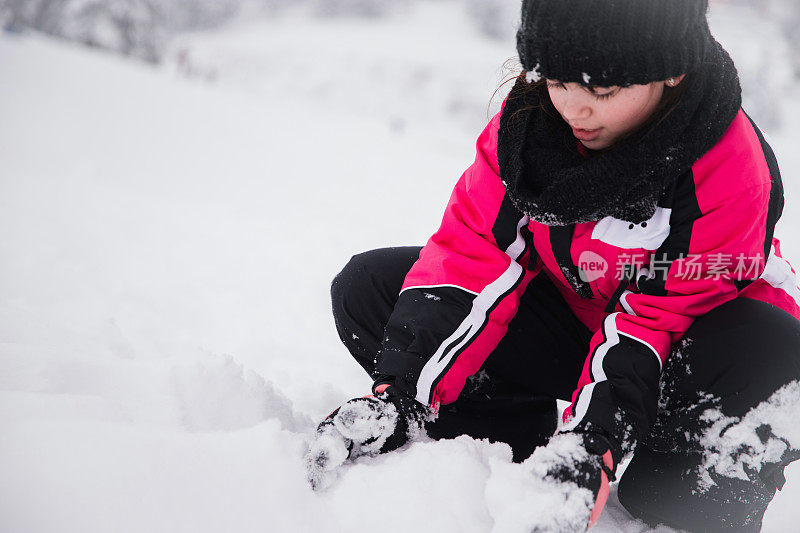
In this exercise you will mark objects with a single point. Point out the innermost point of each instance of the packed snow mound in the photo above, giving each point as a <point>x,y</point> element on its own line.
<point>216,393</point>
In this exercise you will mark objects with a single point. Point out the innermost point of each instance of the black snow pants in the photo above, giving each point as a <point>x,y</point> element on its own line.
<point>728,362</point>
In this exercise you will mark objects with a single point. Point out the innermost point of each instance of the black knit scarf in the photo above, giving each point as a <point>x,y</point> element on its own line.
<point>548,179</point>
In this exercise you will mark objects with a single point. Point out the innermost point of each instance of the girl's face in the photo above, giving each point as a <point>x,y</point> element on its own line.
<point>600,116</point>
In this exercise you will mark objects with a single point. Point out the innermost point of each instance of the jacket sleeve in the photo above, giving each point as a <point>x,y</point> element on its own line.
<point>713,228</point>
<point>458,298</point>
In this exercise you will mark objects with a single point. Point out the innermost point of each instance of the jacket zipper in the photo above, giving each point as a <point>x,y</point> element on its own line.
<point>628,275</point>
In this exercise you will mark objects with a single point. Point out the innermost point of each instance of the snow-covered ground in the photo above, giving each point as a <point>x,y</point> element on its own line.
<point>167,244</point>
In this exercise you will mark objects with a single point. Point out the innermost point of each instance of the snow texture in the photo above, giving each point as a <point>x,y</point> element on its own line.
<point>216,393</point>
<point>168,243</point>
<point>326,454</point>
<point>365,421</point>
<point>533,75</point>
<point>360,427</point>
<point>734,446</point>
<point>521,498</point>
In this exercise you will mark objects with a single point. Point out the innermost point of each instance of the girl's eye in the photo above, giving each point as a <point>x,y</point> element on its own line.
<point>605,96</point>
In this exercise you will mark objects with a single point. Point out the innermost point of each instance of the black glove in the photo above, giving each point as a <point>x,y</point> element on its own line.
<point>594,472</point>
<point>363,426</point>
<point>572,473</point>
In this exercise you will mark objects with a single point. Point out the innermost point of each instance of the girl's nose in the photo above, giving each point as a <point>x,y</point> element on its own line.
<point>576,106</point>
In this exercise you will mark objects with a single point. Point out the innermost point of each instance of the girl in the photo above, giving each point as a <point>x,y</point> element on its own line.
<point>611,245</point>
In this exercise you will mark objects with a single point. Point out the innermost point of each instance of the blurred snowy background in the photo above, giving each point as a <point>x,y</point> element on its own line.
<point>180,182</point>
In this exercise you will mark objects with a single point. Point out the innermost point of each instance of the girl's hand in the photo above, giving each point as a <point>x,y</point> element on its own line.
<point>362,426</point>
<point>562,487</point>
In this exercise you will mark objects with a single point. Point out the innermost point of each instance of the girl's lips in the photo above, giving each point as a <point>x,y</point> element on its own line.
<point>586,135</point>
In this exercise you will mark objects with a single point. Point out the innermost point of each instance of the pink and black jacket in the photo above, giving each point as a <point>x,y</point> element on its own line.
<point>637,286</point>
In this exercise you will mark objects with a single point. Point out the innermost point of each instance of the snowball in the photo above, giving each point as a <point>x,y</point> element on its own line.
<point>326,453</point>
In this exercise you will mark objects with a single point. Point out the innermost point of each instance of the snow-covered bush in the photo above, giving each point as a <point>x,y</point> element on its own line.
<point>44,15</point>
<point>138,28</point>
<point>131,27</point>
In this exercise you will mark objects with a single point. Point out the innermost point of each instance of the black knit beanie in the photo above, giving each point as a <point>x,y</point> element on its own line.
<point>606,43</point>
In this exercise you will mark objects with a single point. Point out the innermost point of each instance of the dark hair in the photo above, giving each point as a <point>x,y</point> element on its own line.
<point>670,100</point>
